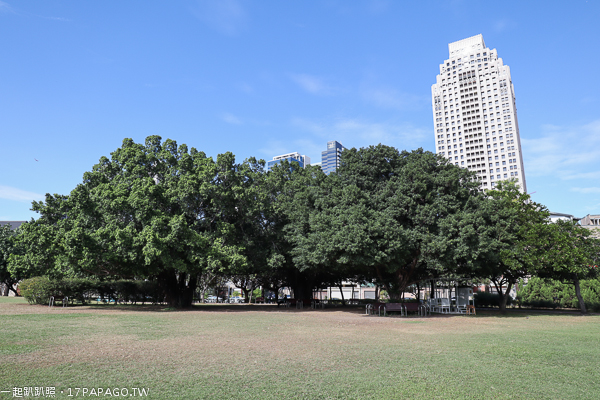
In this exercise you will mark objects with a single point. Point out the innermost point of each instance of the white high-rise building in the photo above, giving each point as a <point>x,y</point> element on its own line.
<point>475,115</point>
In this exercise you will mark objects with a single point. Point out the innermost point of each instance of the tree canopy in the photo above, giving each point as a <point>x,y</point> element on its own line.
<point>385,214</point>
<point>159,211</point>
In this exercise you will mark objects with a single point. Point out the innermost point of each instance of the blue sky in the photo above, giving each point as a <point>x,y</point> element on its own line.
<point>262,78</point>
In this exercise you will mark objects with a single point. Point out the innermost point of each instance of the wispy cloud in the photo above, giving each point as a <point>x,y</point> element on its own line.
<point>586,190</point>
<point>246,87</point>
<point>355,132</point>
<point>15,194</point>
<point>274,148</point>
<point>391,98</point>
<point>231,119</point>
<point>378,6</point>
<point>500,25</point>
<point>568,153</point>
<point>5,7</point>
<point>225,16</point>
<point>60,19</point>
<point>311,84</point>
<point>305,146</point>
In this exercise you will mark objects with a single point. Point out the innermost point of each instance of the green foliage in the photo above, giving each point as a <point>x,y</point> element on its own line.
<point>153,210</point>
<point>389,216</point>
<point>7,248</point>
<point>38,290</point>
<point>485,299</point>
<point>179,219</point>
<point>570,254</point>
<point>509,248</point>
<point>569,251</point>
<point>540,292</point>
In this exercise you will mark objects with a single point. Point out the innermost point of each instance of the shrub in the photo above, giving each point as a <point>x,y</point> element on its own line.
<point>485,299</point>
<point>148,291</point>
<point>540,292</point>
<point>541,304</point>
<point>76,288</point>
<point>37,290</point>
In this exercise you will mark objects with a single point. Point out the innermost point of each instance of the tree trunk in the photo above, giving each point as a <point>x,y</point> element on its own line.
<point>504,297</point>
<point>302,286</point>
<point>342,293</point>
<point>178,289</point>
<point>578,293</point>
<point>246,296</point>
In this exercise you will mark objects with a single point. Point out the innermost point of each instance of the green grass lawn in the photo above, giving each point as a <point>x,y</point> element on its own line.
<point>261,352</point>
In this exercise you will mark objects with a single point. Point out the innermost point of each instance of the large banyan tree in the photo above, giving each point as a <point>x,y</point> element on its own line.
<point>150,211</point>
<point>395,216</point>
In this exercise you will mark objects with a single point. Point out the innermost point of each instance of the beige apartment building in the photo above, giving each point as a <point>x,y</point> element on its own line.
<point>475,113</point>
<point>591,222</point>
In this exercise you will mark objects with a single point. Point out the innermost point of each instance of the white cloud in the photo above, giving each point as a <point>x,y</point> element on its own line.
<point>5,7</point>
<point>595,175</point>
<point>311,84</point>
<point>225,16</point>
<point>11,193</point>
<point>308,125</point>
<point>392,98</point>
<point>568,153</point>
<point>231,119</point>
<point>500,25</point>
<point>353,132</point>
<point>586,190</point>
<point>245,87</point>
<point>274,148</point>
<point>378,6</point>
<point>61,19</point>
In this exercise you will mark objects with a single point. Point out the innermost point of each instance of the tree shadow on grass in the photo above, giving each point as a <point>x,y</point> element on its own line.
<point>526,312</point>
<point>239,308</point>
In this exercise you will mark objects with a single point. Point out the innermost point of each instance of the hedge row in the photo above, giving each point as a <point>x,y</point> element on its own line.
<point>38,290</point>
<point>554,294</point>
<point>485,299</point>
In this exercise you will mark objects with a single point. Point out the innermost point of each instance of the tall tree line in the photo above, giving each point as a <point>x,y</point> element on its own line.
<point>163,212</point>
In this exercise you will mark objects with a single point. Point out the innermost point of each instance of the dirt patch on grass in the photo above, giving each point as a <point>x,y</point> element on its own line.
<point>223,351</point>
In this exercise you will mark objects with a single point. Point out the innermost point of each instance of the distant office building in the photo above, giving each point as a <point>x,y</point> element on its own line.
<point>290,157</point>
<point>475,114</point>
<point>330,158</point>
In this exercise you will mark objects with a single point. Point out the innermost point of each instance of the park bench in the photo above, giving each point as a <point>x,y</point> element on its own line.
<point>393,307</point>
<point>301,303</point>
<point>372,308</point>
<point>283,302</point>
<point>316,303</point>
<point>404,308</point>
<point>291,303</point>
<point>63,299</point>
<point>418,308</point>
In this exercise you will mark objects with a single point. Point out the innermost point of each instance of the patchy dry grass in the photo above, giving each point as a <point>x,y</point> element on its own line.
<point>261,352</point>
